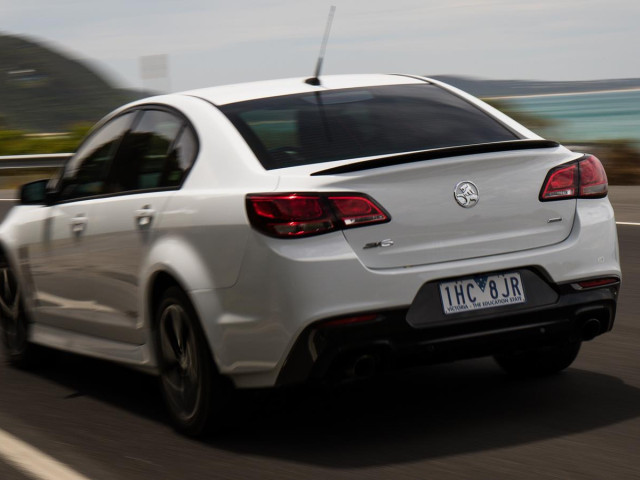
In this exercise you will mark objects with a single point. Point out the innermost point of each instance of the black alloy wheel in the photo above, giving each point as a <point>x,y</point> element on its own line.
<point>194,392</point>
<point>13,321</point>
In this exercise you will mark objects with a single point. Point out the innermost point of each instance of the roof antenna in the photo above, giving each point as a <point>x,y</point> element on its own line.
<point>315,80</point>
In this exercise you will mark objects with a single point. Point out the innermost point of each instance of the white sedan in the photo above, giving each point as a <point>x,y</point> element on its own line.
<point>282,232</point>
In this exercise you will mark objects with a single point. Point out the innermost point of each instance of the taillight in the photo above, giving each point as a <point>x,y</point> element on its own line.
<point>302,214</point>
<point>585,178</point>
<point>561,183</point>
<point>593,178</point>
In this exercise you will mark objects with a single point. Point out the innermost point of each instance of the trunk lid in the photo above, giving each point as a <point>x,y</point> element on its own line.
<point>429,226</point>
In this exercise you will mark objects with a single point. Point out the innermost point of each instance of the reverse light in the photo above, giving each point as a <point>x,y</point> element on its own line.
<point>294,215</point>
<point>584,178</point>
<point>356,210</point>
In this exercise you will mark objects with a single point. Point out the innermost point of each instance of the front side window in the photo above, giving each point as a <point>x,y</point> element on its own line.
<point>320,127</point>
<point>156,153</point>
<point>86,173</point>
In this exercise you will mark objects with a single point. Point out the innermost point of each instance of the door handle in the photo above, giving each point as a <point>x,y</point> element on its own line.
<point>78,224</point>
<point>144,216</point>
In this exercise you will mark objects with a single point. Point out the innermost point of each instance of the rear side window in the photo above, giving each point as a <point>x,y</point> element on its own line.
<point>360,122</point>
<point>156,153</point>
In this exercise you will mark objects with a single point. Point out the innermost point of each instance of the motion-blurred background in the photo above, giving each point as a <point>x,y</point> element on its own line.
<point>65,64</point>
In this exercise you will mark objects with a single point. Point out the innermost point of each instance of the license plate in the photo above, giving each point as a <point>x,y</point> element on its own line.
<point>482,291</point>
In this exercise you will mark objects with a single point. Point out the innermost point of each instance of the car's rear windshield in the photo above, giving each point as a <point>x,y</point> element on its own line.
<point>311,128</point>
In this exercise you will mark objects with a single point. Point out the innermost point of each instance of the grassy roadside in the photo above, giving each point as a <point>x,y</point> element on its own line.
<point>13,178</point>
<point>18,142</point>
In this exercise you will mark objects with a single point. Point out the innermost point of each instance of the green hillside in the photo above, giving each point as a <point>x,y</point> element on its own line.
<point>42,90</point>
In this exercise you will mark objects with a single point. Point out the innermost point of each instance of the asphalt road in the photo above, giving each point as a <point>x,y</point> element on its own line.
<point>459,421</point>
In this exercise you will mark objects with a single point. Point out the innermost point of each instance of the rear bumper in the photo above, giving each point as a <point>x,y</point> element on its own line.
<point>285,288</point>
<point>333,352</point>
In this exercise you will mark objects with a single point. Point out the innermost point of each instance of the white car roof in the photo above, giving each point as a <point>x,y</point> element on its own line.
<point>240,92</point>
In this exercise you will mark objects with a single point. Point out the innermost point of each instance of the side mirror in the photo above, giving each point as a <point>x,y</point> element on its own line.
<point>35,193</point>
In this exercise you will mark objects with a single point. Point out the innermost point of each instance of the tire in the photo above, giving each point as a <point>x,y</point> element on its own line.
<point>14,324</point>
<point>539,362</point>
<point>194,393</point>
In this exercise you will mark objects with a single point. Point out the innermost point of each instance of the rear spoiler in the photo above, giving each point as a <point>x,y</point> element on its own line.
<point>423,155</point>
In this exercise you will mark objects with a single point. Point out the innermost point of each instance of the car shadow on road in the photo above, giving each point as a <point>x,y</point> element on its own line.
<point>428,413</point>
<point>107,382</point>
<point>435,412</point>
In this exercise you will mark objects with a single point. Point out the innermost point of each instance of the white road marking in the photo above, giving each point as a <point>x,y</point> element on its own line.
<point>33,462</point>
<point>628,223</point>
<point>8,199</point>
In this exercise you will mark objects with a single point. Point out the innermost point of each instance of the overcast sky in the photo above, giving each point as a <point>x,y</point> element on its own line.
<point>214,42</point>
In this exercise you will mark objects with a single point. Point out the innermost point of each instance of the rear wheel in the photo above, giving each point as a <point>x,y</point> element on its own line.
<point>540,361</point>
<point>13,321</point>
<point>194,392</point>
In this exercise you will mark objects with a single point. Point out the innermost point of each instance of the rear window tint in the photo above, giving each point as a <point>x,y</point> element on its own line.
<point>322,127</point>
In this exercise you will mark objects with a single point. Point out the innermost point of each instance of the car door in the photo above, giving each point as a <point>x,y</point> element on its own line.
<point>54,237</point>
<point>151,164</point>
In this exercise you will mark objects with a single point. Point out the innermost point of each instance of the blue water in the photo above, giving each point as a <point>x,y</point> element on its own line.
<point>585,117</point>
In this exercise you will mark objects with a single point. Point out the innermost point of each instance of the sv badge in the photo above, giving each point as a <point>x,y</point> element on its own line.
<point>382,243</point>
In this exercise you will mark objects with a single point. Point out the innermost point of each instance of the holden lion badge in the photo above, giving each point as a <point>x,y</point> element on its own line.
<point>466,194</point>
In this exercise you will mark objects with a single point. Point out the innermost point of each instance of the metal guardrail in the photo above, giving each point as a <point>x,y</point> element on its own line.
<point>34,161</point>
